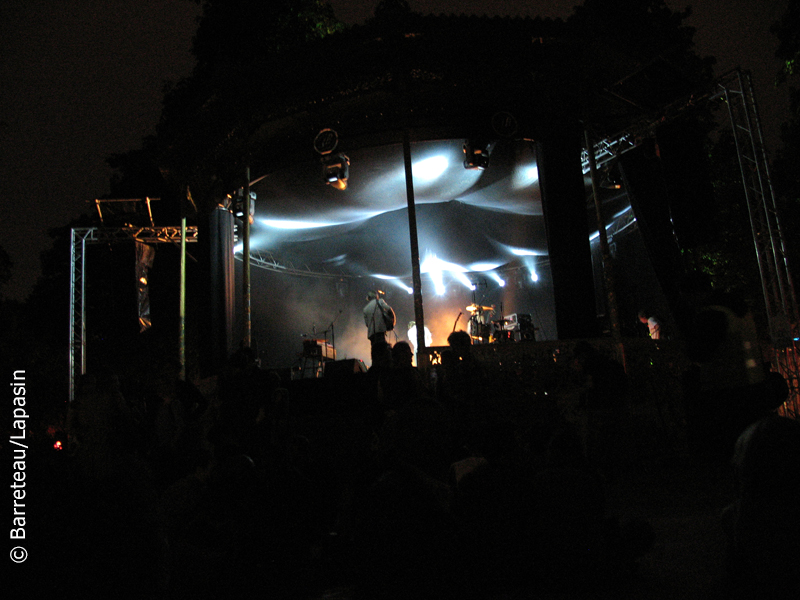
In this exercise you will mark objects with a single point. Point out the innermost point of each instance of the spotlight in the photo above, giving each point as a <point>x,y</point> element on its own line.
<point>336,170</point>
<point>238,205</point>
<point>476,155</point>
<point>500,281</point>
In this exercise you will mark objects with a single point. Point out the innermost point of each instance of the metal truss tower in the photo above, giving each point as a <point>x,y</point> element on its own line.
<point>77,281</point>
<point>780,299</point>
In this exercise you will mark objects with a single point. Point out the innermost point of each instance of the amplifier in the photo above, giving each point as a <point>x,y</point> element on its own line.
<point>319,349</point>
<point>518,322</point>
<point>522,326</point>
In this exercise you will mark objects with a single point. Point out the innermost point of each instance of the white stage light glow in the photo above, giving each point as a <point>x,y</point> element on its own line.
<point>438,282</point>
<point>431,262</point>
<point>429,169</point>
<point>436,268</point>
<point>464,279</point>
<point>290,224</point>
<point>596,234</point>
<point>394,281</point>
<point>525,252</point>
<point>525,176</point>
<point>530,263</point>
<point>484,267</point>
<point>500,281</point>
<point>336,260</point>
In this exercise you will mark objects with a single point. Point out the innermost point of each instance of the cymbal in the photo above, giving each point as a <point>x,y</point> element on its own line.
<point>478,308</point>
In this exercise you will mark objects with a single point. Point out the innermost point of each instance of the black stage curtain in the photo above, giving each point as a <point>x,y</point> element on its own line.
<point>564,206</point>
<point>215,240</point>
<point>644,182</point>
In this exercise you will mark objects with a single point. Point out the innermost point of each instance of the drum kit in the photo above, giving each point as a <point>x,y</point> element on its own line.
<point>479,326</point>
<point>484,330</point>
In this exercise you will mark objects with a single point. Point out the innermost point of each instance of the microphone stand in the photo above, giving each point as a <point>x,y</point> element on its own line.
<point>332,331</point>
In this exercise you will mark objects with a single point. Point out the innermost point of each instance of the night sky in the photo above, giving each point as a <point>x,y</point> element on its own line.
<point>83,79</point>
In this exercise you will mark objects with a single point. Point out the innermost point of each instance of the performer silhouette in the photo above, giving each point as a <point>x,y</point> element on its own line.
<point>379,318</point>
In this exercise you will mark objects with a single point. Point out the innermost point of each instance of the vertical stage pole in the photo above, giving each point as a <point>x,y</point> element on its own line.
<point>248,324</point>
<point>77,308</point>
<point>419,316</point>
<point>608,264</point>
<point>564,207</point>
<point>182,309</point>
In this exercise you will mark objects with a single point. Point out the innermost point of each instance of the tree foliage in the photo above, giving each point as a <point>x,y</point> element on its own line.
<point>729,258</point>
<point>239,47</point>
<point>650,39</point>
<point>641,28</point>
<point>233,33</point>
<point>787,30</point>
<point>786,175</point>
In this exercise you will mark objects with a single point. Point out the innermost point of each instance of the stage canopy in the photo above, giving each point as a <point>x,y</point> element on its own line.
<point>471,222</point>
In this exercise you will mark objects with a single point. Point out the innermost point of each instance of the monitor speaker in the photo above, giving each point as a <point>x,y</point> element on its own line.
<point>344,368</point>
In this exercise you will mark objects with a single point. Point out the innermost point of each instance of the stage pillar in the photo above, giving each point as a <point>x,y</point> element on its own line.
<point>215,239</point>
<point>565,215</point>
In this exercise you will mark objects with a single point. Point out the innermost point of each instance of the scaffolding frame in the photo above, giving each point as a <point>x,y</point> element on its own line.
<point>735,89</point>
<point>780,299</point>
<point>81,237</point>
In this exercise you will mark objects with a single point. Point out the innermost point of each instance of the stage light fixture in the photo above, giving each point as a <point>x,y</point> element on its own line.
<point>476,155</point>
<point>238,205</point>
<point>336,170</point>
<point>500,281</point>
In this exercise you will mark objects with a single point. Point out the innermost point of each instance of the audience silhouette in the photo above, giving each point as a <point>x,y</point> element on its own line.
<point>251,486</point>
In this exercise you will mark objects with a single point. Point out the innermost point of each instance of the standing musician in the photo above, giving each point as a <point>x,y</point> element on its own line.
<point>379,318</point>
<point>412,337</point>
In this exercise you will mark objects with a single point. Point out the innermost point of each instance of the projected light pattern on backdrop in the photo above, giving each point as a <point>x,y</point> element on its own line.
<point>478,231</point>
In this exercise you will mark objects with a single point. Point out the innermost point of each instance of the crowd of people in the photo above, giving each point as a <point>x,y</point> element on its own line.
<point>406,484</point>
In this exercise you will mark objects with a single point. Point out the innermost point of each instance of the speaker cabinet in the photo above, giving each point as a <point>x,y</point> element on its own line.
<point>344,368</point>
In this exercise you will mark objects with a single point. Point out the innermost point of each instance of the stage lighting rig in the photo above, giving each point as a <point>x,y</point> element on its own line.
<point>335,167</point>
<point>476,154</point>
<point>336,170</point>
<point>238,205</point>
